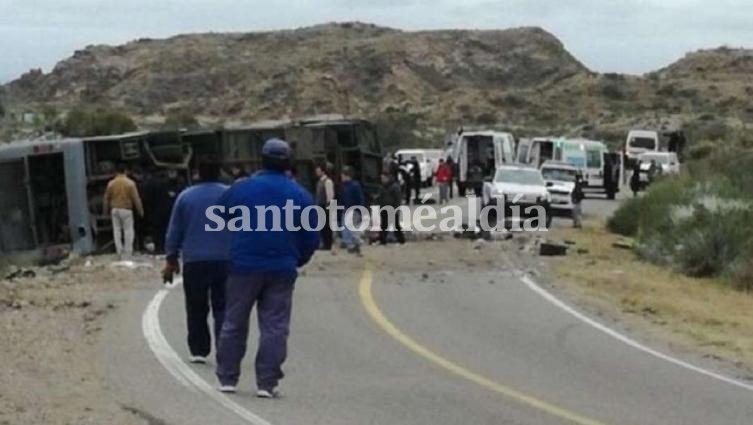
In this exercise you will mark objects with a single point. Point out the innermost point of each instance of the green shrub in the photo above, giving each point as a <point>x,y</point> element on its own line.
<point>711,242</point>
<point>700,222</point>
<point>624,221</point>
<point>84,121</point>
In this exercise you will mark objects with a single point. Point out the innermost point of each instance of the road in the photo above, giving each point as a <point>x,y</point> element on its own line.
<point>418,334</point>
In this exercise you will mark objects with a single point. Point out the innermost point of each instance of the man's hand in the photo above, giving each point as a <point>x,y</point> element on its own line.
<point>172,267</point>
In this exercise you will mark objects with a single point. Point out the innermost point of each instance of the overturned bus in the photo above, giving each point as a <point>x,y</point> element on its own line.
<point>51,191</point>
<point>338,141</point>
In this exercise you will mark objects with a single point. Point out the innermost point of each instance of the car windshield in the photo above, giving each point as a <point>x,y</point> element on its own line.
<point>558,174</point>
<point>643,142</point>
<point>519,176</point>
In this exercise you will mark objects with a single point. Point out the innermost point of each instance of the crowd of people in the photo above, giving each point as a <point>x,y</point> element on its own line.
<point>225,274</point>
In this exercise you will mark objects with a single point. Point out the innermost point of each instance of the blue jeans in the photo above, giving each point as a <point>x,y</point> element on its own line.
<point>351,239</point>
<point>274,294</point>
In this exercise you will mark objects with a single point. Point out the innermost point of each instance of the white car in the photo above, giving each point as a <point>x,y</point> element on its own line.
<point>518,186</point>
<point>560,181</point>
<point>666,160</point>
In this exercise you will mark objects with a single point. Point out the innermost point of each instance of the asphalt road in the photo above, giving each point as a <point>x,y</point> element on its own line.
<point>373,345</point>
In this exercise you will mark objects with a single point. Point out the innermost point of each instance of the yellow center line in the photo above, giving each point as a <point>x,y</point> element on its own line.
<point>367,299</point>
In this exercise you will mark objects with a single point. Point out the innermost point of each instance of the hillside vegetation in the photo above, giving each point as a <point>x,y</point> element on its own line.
<point>427,82</point>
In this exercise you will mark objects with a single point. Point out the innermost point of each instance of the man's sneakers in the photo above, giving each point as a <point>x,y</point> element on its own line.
<point>227,389</point>
<point>198,359</point>
<point>262,393</point>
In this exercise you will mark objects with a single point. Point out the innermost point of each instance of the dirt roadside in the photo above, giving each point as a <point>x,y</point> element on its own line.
<point>50,324</point>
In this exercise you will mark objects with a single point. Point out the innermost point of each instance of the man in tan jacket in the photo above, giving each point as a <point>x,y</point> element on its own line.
<point>121,199</point>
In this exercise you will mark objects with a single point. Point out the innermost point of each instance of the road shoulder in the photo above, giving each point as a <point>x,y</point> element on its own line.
<point>698,319</point>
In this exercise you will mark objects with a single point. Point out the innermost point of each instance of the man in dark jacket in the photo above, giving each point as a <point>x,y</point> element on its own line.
<point>204,257</point>
<point>263,269</point>
<point>389,196</point>
<point>416,177</point>
<point>159,197</point>
<point>635,179</point>
<point>577,199</point>
<point>351,196</point>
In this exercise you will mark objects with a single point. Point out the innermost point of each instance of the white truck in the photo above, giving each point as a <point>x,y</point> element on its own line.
<point>478,155</point>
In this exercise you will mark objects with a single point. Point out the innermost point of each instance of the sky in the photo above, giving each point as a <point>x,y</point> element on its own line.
<point>627,36</point>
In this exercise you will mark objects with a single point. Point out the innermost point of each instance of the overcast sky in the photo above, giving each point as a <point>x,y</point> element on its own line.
<point>632,36</point>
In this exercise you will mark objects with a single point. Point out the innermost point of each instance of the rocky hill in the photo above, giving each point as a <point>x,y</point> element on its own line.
<point>431,81</point>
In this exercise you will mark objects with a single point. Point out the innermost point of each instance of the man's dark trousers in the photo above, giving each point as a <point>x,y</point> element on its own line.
<point>204,286</point>
<point>385,224</point>
<point>274,294</point>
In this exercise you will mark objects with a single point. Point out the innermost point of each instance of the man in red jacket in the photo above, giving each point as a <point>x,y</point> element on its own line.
<point>444,180</point>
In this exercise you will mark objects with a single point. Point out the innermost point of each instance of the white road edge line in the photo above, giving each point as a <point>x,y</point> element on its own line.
<point>622,338</point>
<point>178,368</point>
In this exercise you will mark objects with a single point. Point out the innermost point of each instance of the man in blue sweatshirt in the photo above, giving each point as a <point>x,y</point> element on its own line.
<point>263,268</point>
<point>351,195</point>
<point>205,258</point>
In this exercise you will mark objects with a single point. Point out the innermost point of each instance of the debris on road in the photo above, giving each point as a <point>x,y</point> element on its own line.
<point>552,249</point>
<point>17,272</point>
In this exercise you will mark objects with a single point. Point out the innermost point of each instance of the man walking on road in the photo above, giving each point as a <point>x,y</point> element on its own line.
<point>351,196</point>
<point>263,269</point>
<point>205,256</point>
<point>389,196</point>
<point>325,193</point>
<point>120,200</point>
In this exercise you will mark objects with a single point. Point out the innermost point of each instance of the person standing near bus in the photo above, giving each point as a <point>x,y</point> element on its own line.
<point>121,199</point>
<point>325,194</point>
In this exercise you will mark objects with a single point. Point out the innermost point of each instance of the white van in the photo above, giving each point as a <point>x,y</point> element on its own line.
<point>641,141</point>
<point>478,155</point>
<point>589,156</point>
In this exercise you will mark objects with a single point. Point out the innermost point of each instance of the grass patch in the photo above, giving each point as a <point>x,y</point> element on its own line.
<point>704,314</point>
